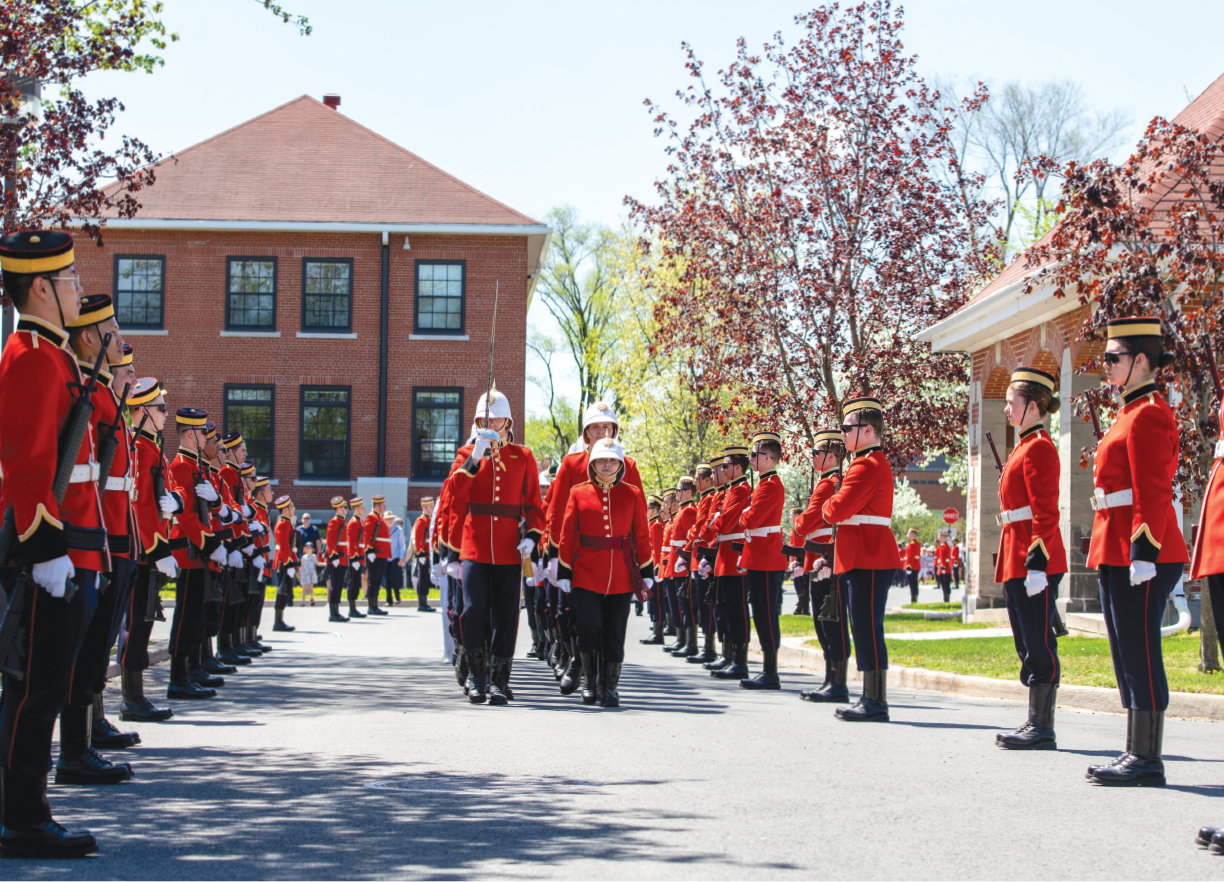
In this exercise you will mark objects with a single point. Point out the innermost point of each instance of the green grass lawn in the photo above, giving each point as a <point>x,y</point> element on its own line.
<point>933,607</point>
<point>1085,660</point>
<point>167,593</point>
<point>900,623</point>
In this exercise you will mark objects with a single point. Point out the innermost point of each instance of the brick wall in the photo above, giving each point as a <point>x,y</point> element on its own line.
<point>194,362</point>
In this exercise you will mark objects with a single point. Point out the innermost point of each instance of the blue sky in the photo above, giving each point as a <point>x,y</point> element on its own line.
<point>541,104</point>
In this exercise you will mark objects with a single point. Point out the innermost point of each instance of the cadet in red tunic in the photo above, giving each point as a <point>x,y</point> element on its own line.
<point>261,497</point>
<point>56,541</point>
<point>762,557</point>
<point>834,634</point>
<point>605,554</point>
<point>1031,560</point>
<point>376,539</point>
<point>708,539</point>
<point>1136,543</point>
<point>677,572</point>
<point>355,552</point>
<point>732,598</point>
<point>286,561</point>
<point>654,509</point>
<point>866,551</point>
<point>241,548</point>
<point>155,504</point>
<point>913,563</point>
<point>337,557</point>
<point>699,537</point>
<point>422,552</point>
<point>496,489</point>
<point>943,565</point>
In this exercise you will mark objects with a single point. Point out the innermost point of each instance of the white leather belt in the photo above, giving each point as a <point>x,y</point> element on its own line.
<point>123,485</point>
<point>381,539</point>
<point>678,543</point>
<point>728,537</point>
<point>764,531</point>
<point>87,471</point>
<point>1219,450</point>
<point>817,534</point>
<point>1101,500</point>
<point>1015,515</point>
<point>860,520</point>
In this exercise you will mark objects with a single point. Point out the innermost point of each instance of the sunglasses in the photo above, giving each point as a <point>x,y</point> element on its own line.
<point>160,407</point>
<point>846,427</point>
<point>1115,357</point>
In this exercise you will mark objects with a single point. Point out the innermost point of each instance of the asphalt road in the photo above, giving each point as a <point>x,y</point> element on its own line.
<point>349,752</point>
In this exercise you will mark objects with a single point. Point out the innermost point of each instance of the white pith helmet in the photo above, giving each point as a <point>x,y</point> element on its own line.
<point>606,448</point>
<point>599,412</point>
<point>499,406</point>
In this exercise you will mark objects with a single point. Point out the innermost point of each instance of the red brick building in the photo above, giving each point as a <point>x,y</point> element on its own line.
<point>326,292</point>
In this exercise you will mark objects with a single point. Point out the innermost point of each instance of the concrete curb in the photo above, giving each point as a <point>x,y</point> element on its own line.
<point>1189,705</point>
<point>156,657</point>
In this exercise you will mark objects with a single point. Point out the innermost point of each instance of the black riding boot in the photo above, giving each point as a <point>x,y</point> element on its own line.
<point>722,661</point>
<point>78,762</point>
<point>279,624</point>
<point>768,678</point>
<point>738,668</point>
<point>611,679</point>
<point>478,676</point>
<point>198,674</point>
<point>214,665</point>
<point>1143,767</point>
<point>834,690</point>
<point>181,685</point>
<point>1038,732</point>
<point>656,636</point>
<point>689,649</point>
<point>572,675</point>
<point>335,615</point>
<point>590,675</point>
<point>1092,770</point>
<point>873,704</point>
<point>707,653</point>
<point>227,654</point>
<point>499,680</point>
<point>135,706</point>
<point>460,662</point>
<point>103,732</point>
<point>534,652</point>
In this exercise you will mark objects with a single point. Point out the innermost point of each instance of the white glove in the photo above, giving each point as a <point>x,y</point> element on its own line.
<point>1142,571</point>
<point>52,574</point>
<point>438,570</point>
<point>649,583</point>
<point>552,571</point>
<point>259,578</point>
<point>218,556</point>
<point>739,565</point>
<point>256,528</point>
<point>1035,582</point>
<point>485,438</point>
<point>564,585</point>
<point>167,567</point>
<point>797,568</point>
<point>704,567</point>
<point>248,550</point>
<point>455,570</point>
<point>539,571</point>
<point>526,547</point>
<point>356,565</point>
<point>223,513</point>
<point>825,572</point>
<point>206,491</point>
<point>235,559</point>
<point>291,572</point>
<point>681,566</point>
<point>370,555</point>
<point>260,562</point>
<point>168,504</point>
<point>247,511</point>
<point>421,560</point>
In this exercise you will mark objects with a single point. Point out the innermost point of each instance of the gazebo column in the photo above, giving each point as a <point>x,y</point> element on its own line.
<point>1080,591</point>
<point>985,479</point>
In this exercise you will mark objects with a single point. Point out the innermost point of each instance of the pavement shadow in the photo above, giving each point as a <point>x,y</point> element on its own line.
<point>282,814</point>
<point>921,725</point>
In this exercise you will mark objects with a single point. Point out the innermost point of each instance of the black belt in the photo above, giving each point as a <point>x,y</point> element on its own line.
<point>85,538</point>
<point>119,544</point>
<point>179,544</point>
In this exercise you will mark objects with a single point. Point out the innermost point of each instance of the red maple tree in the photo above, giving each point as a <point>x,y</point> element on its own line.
<point>810,228</point>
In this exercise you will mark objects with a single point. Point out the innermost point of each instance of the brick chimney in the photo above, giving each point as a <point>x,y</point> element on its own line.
<point>332,101</point>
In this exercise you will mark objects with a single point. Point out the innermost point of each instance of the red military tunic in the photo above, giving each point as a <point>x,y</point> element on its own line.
<point>866,492</point>
<point>943,560</point>
<point>705,511</point>
<point>726,526</point>
<point>261,541</point>
<point>1209,539</point>
<point>761,522</point>
<point>811,524</point>
<point>185,472</point>
<point>1033,540</point>
<point>1137,455</point>
<point>475,531</point>
<point>607,513</point>
<point>375,536</point>
<point>352,539</point>
<point>35,372</point>
<point>285,555</point>
<point>571,472</point>
<point>665,549</point>
<point>678,539</point>
<point>153,526</point>
<point>231,479</point>
<point>913,556</point>
<point>337,541</point>
<point>420,536</point>
<point>656,542</point>
<point>118,487</point>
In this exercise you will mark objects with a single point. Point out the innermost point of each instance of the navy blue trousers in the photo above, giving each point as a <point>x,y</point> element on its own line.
<point>1132,618</point>
<point>187,623</point>
<point>868,600</point>
<point>93,658</point>
<point>490,606</point>
<point>734,599</point>
<point>765,594</point>
<point>134,647</point>
<point>1030,622</point>
<point>834,637</point>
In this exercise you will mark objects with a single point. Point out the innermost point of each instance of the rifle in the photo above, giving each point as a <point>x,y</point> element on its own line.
<point>108,444</point>
<point>1096,421</point>
<point>995,451</point>
<point>793,551</point>
<point>73,435</point>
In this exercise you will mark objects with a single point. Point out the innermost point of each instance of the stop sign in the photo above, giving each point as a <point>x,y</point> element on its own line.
<point>951,516</point>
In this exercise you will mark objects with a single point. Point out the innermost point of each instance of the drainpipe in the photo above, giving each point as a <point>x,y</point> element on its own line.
<point>382,356</point>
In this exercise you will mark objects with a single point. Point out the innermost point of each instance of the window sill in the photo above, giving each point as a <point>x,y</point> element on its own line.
<point>145,332</point>
<point>425,482</point>
<point>457,338</point>
<point>323,335</point>
<point>333,483</point>
<point>250,333</point>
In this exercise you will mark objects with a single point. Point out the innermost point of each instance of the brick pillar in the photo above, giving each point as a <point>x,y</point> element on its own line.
<point>986,475</point>
<point>1080,591</point>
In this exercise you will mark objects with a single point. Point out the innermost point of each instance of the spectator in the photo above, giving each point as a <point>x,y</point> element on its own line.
<point>309,571</point>
<point>399,553</point>
<point>305,533</point>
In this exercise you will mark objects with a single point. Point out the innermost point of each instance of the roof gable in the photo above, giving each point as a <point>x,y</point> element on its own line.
<point>304,162</point>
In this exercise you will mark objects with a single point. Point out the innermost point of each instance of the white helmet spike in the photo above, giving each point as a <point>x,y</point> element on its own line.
<point>599,412</point>
<point>498,406</point>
